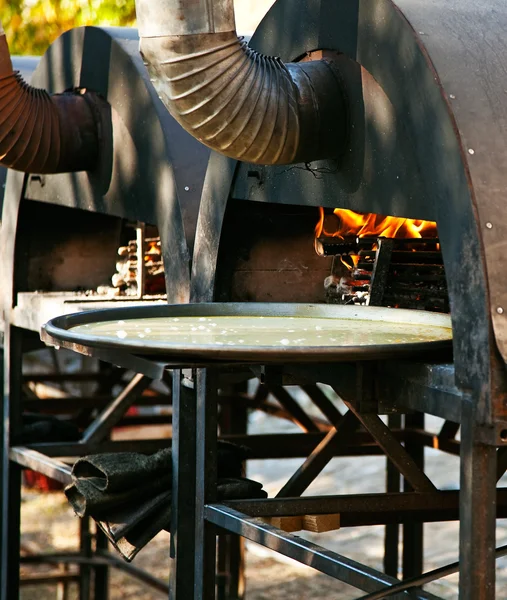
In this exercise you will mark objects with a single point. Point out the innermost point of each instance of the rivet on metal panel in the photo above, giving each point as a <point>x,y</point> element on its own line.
<point>187,188</point>
<point>452,96</point>
<point>489,225</point>
<point>471,151</point>
<point>499,310</point>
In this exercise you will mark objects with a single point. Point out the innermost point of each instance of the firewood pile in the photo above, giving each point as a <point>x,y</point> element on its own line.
<point>128,280</point>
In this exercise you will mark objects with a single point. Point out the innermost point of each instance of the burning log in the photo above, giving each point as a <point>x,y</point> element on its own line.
<point>407,275</point>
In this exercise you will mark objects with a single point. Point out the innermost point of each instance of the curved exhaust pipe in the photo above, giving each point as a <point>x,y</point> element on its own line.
<point>42,133</point>
<point>238,102</point>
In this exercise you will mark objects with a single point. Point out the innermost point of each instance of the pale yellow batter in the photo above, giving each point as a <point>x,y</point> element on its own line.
<point>242,331</point>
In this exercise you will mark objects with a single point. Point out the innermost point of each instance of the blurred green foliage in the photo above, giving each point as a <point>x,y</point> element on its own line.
<point>31,25</point>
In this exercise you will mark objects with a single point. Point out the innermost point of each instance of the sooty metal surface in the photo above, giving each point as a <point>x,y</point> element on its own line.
<point>148,170</point>
<point>418,150</point>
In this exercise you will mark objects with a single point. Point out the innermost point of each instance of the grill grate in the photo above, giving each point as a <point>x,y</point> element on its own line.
<point>401,273</point>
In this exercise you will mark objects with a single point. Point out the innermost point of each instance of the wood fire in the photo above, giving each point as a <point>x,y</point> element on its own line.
<point>343,223</point>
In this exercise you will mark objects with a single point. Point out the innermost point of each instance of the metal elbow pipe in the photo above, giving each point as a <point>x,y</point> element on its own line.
<point>42,133</point>
<point>238,102</point>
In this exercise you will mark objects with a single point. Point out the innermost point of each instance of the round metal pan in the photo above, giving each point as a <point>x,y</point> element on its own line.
<point>60,330</point>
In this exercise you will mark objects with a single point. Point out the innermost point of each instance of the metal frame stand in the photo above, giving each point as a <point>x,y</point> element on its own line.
<point>250,519</point>
<point>197,519</point>
<point>92,558</point>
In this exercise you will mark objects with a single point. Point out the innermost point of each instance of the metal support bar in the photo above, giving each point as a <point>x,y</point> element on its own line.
<point>206,482</point>
<point>328,562</point>
<point>102,425</point>
<point>261,394</point>
<point>10,483</point>
<point>320,457</point>
<point>323,403</point>
<point>423,579</point>
<point>395,451</point>
<point>101,580</point>
<point>413,532</point>
<point>181,582</point>
<point>477,510</point>
<point>54,469</point>
<point>277,445</point>
<point>233,419</point>
<point>367,509</point>
<point>85,570</point>
<point>288,402</point>
<point>392,530</point>
<point>102,558</point>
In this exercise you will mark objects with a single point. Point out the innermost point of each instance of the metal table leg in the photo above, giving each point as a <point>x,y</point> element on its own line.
<point>392,530</point>
<point>10,472</point>
<point>85,570</point>
<point>101,583</point>
<point>206,482</point>
<point>477,511</point>
<point>183,516</point>
<point>231,548</point>
<point>413,533</point>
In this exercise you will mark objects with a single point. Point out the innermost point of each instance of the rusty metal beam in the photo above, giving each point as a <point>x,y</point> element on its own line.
<point>320,457</point>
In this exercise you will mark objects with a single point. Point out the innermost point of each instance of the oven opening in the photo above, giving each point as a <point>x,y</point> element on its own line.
<point>382,260</point>
<point>86,256</point>
<point>284,253</point>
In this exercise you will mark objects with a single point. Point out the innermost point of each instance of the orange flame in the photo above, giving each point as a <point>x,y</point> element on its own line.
<point>350,260</point>
<point>353,224</point>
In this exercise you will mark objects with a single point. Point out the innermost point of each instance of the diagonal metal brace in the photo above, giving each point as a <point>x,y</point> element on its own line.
<point>323,403</point>
<point>292,406</point>
<point>394,451</point>
<point>110,416</point>
<point>320,457</point>
<point>420,580</point>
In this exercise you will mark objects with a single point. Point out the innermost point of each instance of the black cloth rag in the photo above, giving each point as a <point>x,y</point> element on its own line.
<point>129,494</point>
<point>129,530</point>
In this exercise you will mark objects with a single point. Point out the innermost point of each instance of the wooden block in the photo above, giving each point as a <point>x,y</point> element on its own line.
<point>287,524</point>
<point>321,523</point>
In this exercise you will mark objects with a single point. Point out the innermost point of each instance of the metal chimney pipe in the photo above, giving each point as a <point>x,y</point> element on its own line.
<point>40,133</point>
<point>238,102</point>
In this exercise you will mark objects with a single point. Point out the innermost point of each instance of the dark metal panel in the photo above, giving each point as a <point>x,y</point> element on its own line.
<point>467,42</point>
<point>215,194</point>
<point>379,169</point>
<point>409,160</point>
<point>148,163</point>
